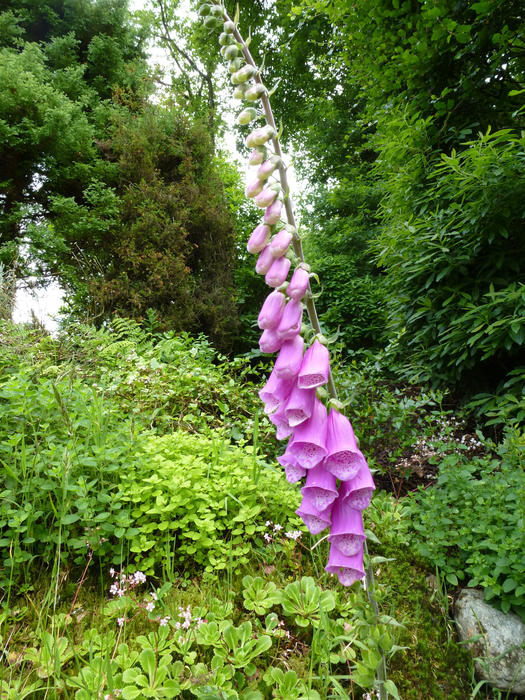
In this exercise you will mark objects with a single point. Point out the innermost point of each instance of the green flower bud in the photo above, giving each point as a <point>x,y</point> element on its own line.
<point>255,92</point>
<point>244,74</point>
<point>234,65</point>
<point>230,52</point>
<point>217,11</point>
<point>240,91</point>
<point>204,10</point>
<point>226,39</point>
<point>247,115</point>
<point>229,27</point>
<point>211,22</point>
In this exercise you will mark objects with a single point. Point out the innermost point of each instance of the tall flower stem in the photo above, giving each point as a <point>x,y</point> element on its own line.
<point>310,307</point>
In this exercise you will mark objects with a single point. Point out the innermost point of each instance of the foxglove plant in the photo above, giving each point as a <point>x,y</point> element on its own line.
<point>322,446</point>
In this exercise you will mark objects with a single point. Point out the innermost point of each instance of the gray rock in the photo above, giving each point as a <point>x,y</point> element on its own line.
<point>499,641</point>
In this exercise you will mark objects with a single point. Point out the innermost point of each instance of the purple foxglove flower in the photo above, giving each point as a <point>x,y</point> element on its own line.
<point>300,404</point>
<point>292,470</point>
<point>275,392</point>
<point>256,157</point>
<point>272,310</point>
<point>346,531</point>
<point>280,243</point>
<point>348,569</point>
<point>294,473</point>
<point>357,492</point>
<point>315,520</point>
<point>309,443</point>
<point>266,197</point>
<point>321,488</point>
<point>258,239</point>
<point>269,341</point>
<point>298,284</point>
<point>267,168</point>
<point>290,357</point>
<point>279,420</point>
<point>278,271</point>
<point>254,189</point>
<point>264,261</point>
<point>291,321</point>
<point>343,458</point>
<point>315,368</point>
<point>273,213</point>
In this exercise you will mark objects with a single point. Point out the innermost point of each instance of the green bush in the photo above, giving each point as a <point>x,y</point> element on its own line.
<point>471,524</point>
<point>452,247</point>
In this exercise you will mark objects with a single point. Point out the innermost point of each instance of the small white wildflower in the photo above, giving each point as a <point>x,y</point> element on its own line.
<point>121,621</point>
<point>163,621</point>
<point>267,537</point>
<point>150,607</point>
<point>277,527</point>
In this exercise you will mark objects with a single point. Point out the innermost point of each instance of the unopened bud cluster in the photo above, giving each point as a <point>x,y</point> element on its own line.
<point>322,448</point>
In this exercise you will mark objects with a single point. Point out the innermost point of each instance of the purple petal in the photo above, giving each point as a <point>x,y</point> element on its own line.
<point>343,458</point>
<point>357,492</point>
<point>298,284</point>
<point>277,272</point>
<point>348,569</point>
<point>315,368</point>
<point>315,520</point>
<point>273,213</point>
<point>291,320</point>
<point>275,392</point>
<point>290,357</point>
<point>258,239</point>
<point>269,341</point>
<point>347,532</point>
<point>300,405</point>
<point>272,310</point>
<point>280,243</point>
<point>308,445</point>
<point>320,487</point>
<point>264,261</point>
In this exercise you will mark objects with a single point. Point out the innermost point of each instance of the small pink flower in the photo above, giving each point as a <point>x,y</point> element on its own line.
<point>266,197</point>
<point>273,213</point>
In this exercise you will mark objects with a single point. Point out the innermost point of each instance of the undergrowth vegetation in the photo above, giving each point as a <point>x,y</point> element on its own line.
<point>150,546</point>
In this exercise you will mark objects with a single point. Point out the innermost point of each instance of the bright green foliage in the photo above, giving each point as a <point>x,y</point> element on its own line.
<point>259,595</point>
<point>195,499</point>
<point>306,602</point>
<point>82,469</point>
<point>472,524</point>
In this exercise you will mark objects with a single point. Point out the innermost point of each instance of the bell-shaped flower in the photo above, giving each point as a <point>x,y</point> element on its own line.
<point>267,168</point>
<point>259,239</point>
<point>272,310</point>
<point>347,569</point>
<point>321,488</point>
<point>254,189</point>
<point>275,392</point>
<point>280,243</point>
<point>290,357</point>
<point>346,532</point>
<point>343,458</point>
<point>269,341</point>
<point>300,404</point>
<point>315,369</point>
<point>266,197</point>
<point>298,284</point>
<point>257,156</point>
<point>309,443</point>
<point>279,420</point>
<point>293,471</point>
<point>273,213</point>
<point>264,261</point>
<point>277,272</point>
<point>357,492</point>
<point>291,320</point>
<point>315,520</point>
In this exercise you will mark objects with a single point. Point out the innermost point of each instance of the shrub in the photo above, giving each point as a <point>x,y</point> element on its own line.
<point>471,524</point>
